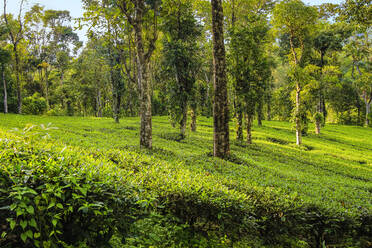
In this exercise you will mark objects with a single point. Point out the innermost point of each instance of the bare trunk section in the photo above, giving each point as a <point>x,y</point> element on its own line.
<point>220,106</point>
<point>193,120</point>
<point>321,104</point>
<point>145,90</point>
<point>259,113</point>
<point>115,77</point>
<point>116,99</point>
<point>18,81</point>
<point>47,88</point>
<point>368,109</point>
<point>298,98</point>
<point>146,115</point>
<point>99,103</point>
<point>249,119</point>
<point>183,122</point>
<point>239,123</point>
<point>298,117</point>
<point>5,92</point>
<point>324,111</point>
<point>317,127</point>
<point>64,95</point>
<point>269,111</point>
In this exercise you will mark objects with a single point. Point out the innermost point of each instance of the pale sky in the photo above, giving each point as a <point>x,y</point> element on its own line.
<point>75,7</point>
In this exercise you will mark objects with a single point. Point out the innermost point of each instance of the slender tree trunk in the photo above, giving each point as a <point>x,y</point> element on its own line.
<point>259,113</point>
<point>183,122</point>
<point>324,110</point>
<point>220,106</point>
<point>99,104</point>
<point>368,108</point>
<point>115,75</point>
<point>359,108</point>
<point>145,92</point>
<point>237,103</point>
<point>298,117</point>
<point>317,126</point>
<point>63,96</point>
<point>249,119</point>
<point>239,122</point>
<point>47,88</point>
<point>18,80</point>
<point>269,111</point>
<point>5,92</point>
<point>116,105</point>
<point>193,119</point>
<point>69,108</point>
<point>322,107</point>
<point>298,98</point>
<point>62,78</point>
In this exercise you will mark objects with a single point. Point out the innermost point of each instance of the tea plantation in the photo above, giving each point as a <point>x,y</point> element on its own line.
<point>84,182</point>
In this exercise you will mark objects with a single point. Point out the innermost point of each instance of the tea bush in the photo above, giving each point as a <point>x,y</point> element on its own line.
<point>177,195</point>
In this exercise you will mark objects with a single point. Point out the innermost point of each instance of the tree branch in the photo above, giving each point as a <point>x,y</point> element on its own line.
<point>124,9</point>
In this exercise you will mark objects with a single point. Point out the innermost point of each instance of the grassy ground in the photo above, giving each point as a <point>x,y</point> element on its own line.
<point>333,170</point>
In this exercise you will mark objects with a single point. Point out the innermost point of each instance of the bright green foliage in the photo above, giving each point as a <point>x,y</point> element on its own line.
<point>35,105</point>
<point>358,11</point>
<point>178,195</point>
<point>294,17</point>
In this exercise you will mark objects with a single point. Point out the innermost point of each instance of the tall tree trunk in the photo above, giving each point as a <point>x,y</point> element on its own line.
<point>368,108</point>
<point>249,119</point>
<point>116,105</point>
<point>18,80</point>
<point>143,60</point>
<point>220,106</point>
<point>145,92</point>
<point>359,108</point>
<point>183,122</point>
<point>5,92</point>
<point>47,87</point>
<point>239,122</point>
<point>115,74</point>
<point>193,119</point>
<point>298,117</point>
<point>324,110</point>
<point>260,112</point>
<point>237,103</point>
<point>99,104</point>
<point>298,96</point>
<point>321,106</point>
<point>317,126</point>
<point>269,111</point>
